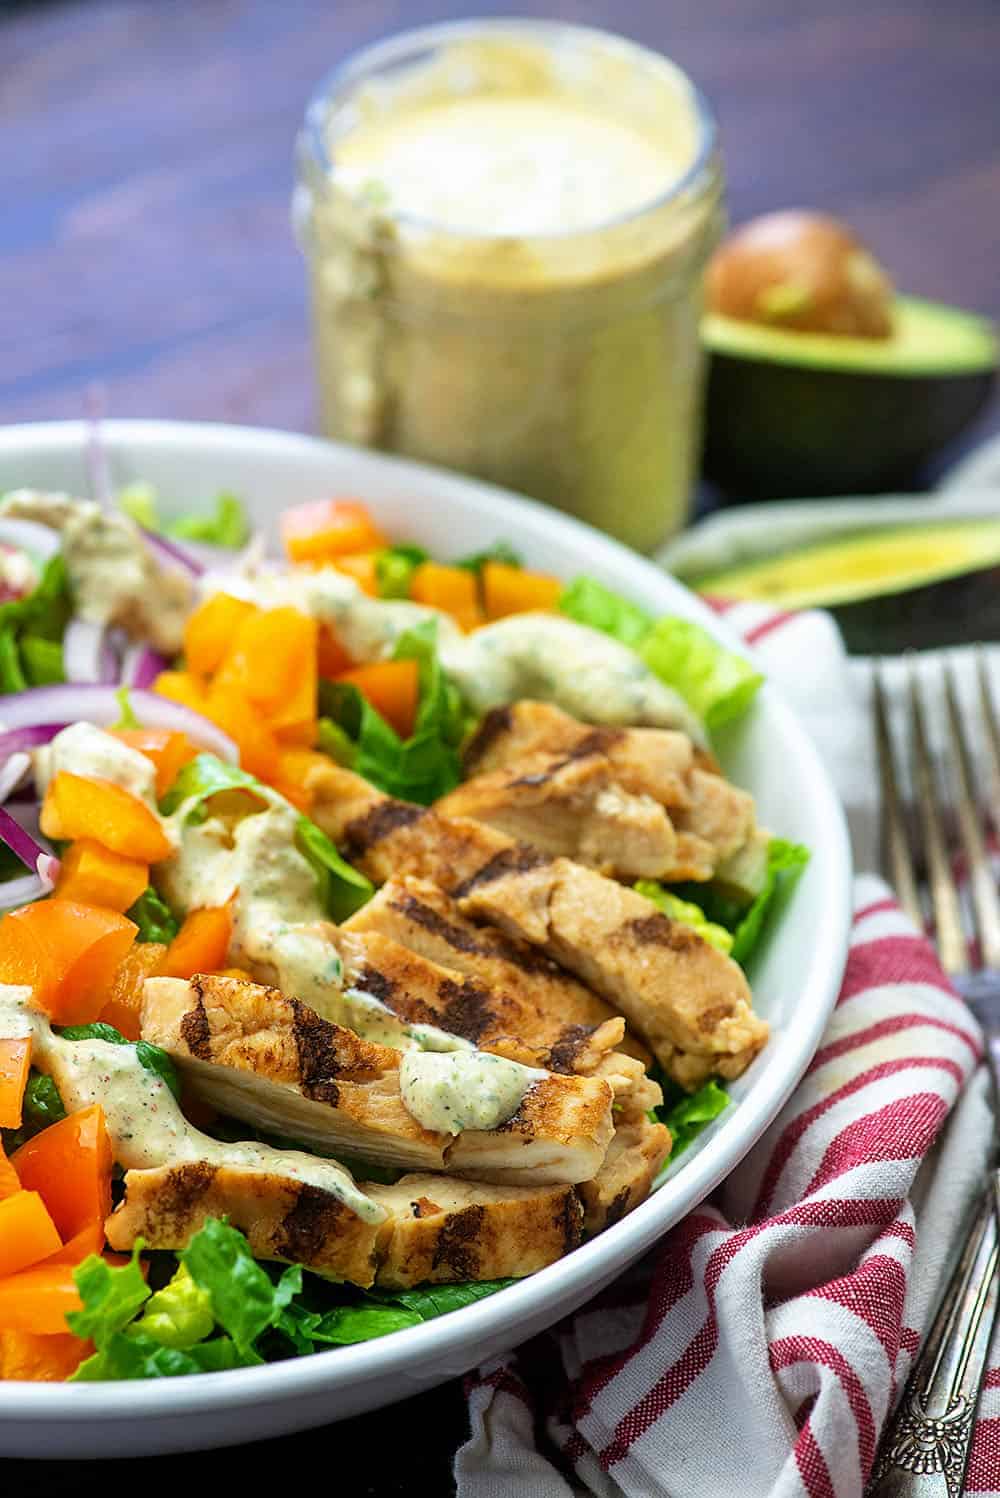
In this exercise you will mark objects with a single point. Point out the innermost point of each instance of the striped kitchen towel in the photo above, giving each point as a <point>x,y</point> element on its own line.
<point>759,1348</point>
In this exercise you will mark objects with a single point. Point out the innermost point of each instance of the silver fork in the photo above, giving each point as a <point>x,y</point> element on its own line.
<point>925,1446</point>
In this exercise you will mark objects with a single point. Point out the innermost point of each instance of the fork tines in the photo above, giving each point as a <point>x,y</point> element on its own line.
<point>927,845</point>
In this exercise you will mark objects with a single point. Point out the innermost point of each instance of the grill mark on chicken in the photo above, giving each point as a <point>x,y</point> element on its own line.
<point>516,860</point>
<point>659,930</point>
<point>379,985</point>
<point>564,1051</point>
<point>456,1247</point>
<point>182,1190</point>
<point>495,945</point>
<point>569,1221</point>
<point>617,1208</point>
<point>596,743</point>
<point>497,722</point>
<point>318,1064</point>
<point>308,1226</point>
<point>388,816</point>
<point>195,1030</point>
<point>468,1008</point>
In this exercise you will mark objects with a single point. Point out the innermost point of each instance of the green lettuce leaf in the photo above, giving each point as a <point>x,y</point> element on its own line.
<point>394,569</point>
<point>111,1297</point>
<point>152,1057</point>
<point>500,551</point>
<point>686,911</point>
<point>226,525</point>
<point>420,768</point>
<point>785,862</point>
<point>31,631</point>
<point>344,889</point>
<point>376,1313</point>
<point>153,917</point>
<point>41,1106</point>
<point>177,1316</point>
<point>42,661</point>
<point>686,1115</point>
<point>429,1301</point>
<point>717,683</point>
<point>201,778</point>
<point>244,1300</point>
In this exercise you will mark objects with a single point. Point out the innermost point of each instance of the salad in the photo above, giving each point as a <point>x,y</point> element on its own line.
<point>375,927</point>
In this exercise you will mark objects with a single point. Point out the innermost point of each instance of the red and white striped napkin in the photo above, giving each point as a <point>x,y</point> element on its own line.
<point>759,1348</point>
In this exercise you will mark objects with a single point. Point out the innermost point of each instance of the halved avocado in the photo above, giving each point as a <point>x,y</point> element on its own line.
<point>801,414</point>
<point>893,589</point>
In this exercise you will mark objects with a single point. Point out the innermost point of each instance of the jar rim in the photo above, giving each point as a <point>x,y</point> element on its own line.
<point>353,69</point>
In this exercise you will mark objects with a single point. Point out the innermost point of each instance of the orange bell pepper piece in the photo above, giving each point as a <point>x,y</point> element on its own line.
<point>279,646</point>
<point>512,590</point>
<point>183,687</point>
<point>67,952</point>
<point>9,1182</point>
<point>392,688</point>
<point>211,629</point>
<point>227,705</point>
<point>454,590</point>
<point>124,1002</point>
<point>168,748</point>
<point>15,1063</point>
<point>69,1166</point>
<point>78,807</point>
<point>29,1357</point>
<point>89,1240</point>
<point>327,528</point>
<point>201,945</point>
<point>27,1232</point>
<point>331,657</point>
<point>97,876</point>
<point>293,768</point>
<point>362,567</point>
<point>36,1300</point>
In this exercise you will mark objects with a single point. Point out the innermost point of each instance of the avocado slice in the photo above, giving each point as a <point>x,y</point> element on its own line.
<point>889,589</point>
<point>797,414</point>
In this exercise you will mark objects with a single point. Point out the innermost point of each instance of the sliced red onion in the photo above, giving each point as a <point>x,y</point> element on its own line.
<point>87,655</point>
<point>49,868</point>
<point>141,666</point>
<point>173,553</point>
<point>28,535</point>
<point>19,740</point>
<point>17,892</point>
<point>28,850</point>
<point>59,705</point>
<point>12,773</point>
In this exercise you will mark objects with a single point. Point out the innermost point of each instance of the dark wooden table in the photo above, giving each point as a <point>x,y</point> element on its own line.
<point>145,170</point>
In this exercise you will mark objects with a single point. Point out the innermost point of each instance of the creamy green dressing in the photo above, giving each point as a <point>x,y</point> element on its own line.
<point>145,1123</point>
<point>544,656</point>
<point>85,750</point>
<point>464,1090</point>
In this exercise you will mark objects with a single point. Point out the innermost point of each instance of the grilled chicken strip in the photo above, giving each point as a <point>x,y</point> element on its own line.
<point>436,1229</point>
<point>713,819</point>
<point>684,995</point>
<point>562,1014</point>
<point>634,1159</point>
<point>273,1062</point>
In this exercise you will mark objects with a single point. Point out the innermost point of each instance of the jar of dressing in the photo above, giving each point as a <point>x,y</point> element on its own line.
<point>506,226</point>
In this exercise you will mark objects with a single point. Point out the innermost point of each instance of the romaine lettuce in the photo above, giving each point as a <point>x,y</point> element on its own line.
<point>686,911</point>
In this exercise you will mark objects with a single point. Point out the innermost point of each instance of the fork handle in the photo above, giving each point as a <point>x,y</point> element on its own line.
<point>925,1447</point>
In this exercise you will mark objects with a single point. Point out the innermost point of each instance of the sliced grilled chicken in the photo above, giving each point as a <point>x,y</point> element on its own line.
<point>646,761</point>
<point>573,807</point>
<point>633,1161</point>
<point>273,1062</point>
<point>684,995</point>
<point>565,1016</point>
<point>435,1230</point>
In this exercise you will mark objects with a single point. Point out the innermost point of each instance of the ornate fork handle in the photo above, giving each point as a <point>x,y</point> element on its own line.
<point>925,1446</point>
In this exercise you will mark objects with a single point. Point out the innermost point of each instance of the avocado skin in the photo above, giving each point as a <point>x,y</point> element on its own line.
<point>780,431</point>
<point>950,611</point>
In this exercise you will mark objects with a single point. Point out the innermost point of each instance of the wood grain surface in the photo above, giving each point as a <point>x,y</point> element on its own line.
<point>145,172</point>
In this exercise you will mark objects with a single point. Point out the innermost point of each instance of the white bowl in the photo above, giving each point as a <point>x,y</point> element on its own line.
<point>795,979</point>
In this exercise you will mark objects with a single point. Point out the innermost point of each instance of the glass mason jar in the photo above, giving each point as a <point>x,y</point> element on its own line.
<point>560,357</point>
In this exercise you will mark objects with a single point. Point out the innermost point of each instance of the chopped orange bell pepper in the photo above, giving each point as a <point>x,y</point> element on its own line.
<point>168,748</point>
<point>37,1299</point>
<point>29,1357</point>
<point>363,568</point>
<point>67,952</point>
<point>228,706</point>
<point>280,646</point>
<point>78,807</point>
<point>15,1063</point>
<point>331,657</point>
<point>512,590</point>
<point>89,1240</point>
<point>201,945</point>
<point>294,766</point>
<point>183,687</point>
<point>97,876</point>
<point>327,528</point>
<point>455,590</point>
<point>69,1166</point>
<point>392,688</point>
<point>124,1001</point>
<point>210,631</point>
<point>27,1232</point>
